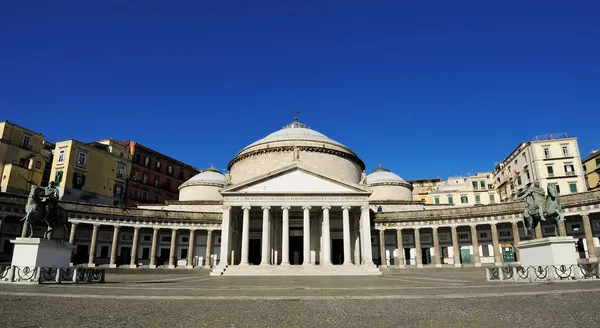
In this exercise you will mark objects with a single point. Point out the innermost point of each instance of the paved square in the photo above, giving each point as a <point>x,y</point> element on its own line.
<point>405,298</point>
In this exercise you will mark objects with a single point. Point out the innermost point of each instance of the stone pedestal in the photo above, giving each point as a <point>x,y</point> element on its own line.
<point>548,251</point>
<point>38,252</point>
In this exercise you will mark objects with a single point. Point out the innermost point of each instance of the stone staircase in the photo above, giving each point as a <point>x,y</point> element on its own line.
<point>298,270</point>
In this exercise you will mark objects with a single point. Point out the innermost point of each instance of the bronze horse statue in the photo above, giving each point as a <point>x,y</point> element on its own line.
<point>37,212</point>
<point>551,210</point>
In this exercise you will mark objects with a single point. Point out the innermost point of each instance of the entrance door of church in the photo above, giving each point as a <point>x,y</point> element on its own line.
<point>337,251</point>
<point>296,256</point>
<point>254,250</point>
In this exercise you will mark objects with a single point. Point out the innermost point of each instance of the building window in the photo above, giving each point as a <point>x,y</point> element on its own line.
<point>165,239</point>
<point>477,199</point>
<point>61,156</point>
<point>546,152</point>
<point>81,159</point>
<point>167,184</point>
<point>485,251</point>
<point>138,158</point>
<point>505,233</point>
<point>575,227</point>
<point>483,235</point>
<point>475,185</point>
<point>156,198</point>
<point>180,174</point>
<point>121,154</point>
<point>145,178</point>
<point>463,236</point>
<point>569,169</point>
<point>26,142</point>
<point>38,165</point>
<point>157,165</point>
<point>528,176</point>
<point>170,170</point>
<point>118,190</point>
<point>464,200</point>
<point>120,171</point>
<point>557,187</point>
<point>436,200</point>
<point>156,181</point>
<point>135,193</point>
<point>550,170</point>
<point>450,200</point>
<point>492,199</point>
<point>78,180</point>
<point>136,176</point>
<point>565,150</point>
<point>58,176</point>
<point>525,157</point>
<point>423,199</point>
<point>147,238</point>
<point>598,162</point>
<point>573,188</point>
<point>519,179</point>
<point>482,184</point>
<point>144,195</point>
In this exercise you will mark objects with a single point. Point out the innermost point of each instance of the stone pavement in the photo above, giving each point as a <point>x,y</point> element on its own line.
<point>449,297</point>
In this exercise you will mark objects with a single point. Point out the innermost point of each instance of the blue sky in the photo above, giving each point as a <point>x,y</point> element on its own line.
<point>426,88</point>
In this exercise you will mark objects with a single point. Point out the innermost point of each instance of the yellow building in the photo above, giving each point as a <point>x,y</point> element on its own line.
<point>23,158</point>
<point>591,166</point>
<point>93,172</point>
<point>422,189</point>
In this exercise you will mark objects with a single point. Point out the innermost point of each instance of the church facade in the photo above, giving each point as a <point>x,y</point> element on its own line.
<point>298,202</point>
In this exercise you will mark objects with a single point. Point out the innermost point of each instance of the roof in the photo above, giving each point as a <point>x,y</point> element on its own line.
<point>295,131</point>
<point>382,175</point>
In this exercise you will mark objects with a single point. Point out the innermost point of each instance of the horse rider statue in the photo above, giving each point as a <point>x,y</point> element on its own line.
<point>42,206</point>
<point>541,207</point>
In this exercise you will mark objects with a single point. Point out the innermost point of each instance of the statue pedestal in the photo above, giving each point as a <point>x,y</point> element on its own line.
<point>548,251</point>
<point>38,252</point>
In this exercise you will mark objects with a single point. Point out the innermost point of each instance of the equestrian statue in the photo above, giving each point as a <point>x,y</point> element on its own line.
<point>42,208</point>
<point>540,207</point>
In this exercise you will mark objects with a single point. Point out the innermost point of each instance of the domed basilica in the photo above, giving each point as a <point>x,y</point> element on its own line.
<point>295,197</point>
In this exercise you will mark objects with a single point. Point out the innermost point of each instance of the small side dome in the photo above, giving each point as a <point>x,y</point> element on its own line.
<point>208,177</point>
<point>387,185</point>
<point>203,186</point>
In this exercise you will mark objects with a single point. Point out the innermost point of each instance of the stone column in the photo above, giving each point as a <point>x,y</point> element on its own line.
<point>306,235</point>
<point>92,256</point>
<point>496,245</point>
<point>400,245</point>
<point>264,258</point>
<point>382,248</point>
<point>562,230</point>
<point>455,247</point>
<point>356,236</point>
<point>114,247</point>
<point>153,250</point>
<point>437,258</point>
<point>134,247</point>
<point>539,234</point>
<point>72,235</point>
<point>589,238</point>
<point>173,250</point>
<point>326,236</point>
<point>285,236</point>
<point>418,249</point>
<point>516,240</point>
<point>366,236</point>
<point>346,232</point>
<point>475,241</point>
<point>191,248</point>
<point>245,235</point>
<point>208,253</point>
<point>225,235</point>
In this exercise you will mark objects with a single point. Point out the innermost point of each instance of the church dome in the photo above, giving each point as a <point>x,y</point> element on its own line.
<point>296,143</point>
<point>203,186</point>
<point>295,131</point>
<point>388,186</point>
<point>382,175</point>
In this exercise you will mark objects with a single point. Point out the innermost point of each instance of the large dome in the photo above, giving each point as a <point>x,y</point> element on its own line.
<point>296,143</point>
<point>295,131</point>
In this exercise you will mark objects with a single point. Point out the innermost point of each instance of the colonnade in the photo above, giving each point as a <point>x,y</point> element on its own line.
<point>364,232</point>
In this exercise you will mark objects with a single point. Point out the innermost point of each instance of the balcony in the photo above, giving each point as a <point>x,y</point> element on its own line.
<point>570,174</point>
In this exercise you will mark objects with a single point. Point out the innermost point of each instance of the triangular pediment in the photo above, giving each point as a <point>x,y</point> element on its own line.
<point>294,180</point>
